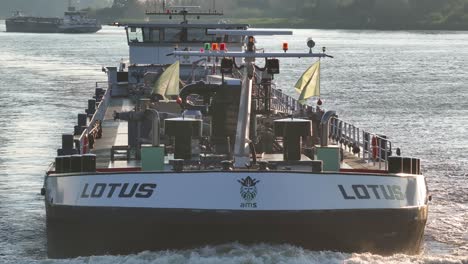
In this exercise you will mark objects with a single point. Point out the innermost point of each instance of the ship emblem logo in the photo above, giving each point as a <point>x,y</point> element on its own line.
<point>248,191</point>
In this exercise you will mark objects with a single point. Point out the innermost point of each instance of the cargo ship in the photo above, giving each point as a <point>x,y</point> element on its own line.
<point>73,21</point>
<point>192,144</point>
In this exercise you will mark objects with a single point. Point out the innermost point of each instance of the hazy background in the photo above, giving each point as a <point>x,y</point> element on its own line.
<point>340,14</point>
<point>47,7</point>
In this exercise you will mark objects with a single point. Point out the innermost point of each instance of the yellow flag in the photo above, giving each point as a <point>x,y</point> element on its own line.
<point>168,83</point>
<point>309,83</point>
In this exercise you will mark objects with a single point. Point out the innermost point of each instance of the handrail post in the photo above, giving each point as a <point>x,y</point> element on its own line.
<point>333,123</point>
<point>354,134</point>
<point>378,149</point>
<point>359,140</point>
<point>385,158</point>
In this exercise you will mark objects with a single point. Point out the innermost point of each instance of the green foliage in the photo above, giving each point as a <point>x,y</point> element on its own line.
<point>244,12</point>
<point>361,14</point>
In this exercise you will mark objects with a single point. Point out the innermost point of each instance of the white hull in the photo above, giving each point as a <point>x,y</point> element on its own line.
<point>101,214</point>
<point>222,191</point>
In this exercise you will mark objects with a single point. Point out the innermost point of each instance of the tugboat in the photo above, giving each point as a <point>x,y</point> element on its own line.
<point>73,21</point>
<point>156,163</point>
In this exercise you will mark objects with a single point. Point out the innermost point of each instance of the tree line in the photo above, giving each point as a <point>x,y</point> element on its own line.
<point>47,8</point>
<point>346,14</point>
<point>356,14</point>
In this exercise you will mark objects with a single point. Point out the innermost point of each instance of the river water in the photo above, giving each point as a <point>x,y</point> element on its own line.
<point>409,85</point>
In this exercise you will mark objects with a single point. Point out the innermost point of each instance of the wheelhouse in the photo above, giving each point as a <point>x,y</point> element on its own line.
<point>150,43</point>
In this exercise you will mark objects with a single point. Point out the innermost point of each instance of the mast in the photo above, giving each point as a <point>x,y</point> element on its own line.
<point>183,11</point>
<point>241,146</point>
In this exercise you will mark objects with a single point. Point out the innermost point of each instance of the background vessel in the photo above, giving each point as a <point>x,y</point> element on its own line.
<point>73,21</point>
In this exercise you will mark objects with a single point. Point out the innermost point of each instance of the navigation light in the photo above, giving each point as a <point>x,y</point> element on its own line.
<point>222,47</point>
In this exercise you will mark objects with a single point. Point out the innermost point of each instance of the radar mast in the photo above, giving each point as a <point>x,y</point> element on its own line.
<point>184,11</point>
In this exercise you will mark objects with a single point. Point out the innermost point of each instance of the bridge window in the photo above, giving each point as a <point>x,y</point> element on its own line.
<point>225,38</point>
<point>173,34</point>
<point>150,35</point>
<point>198,35</point>
<point>234,39</point>
<point>155,35</point>
<point>179,34</point>
<point>135,34</point>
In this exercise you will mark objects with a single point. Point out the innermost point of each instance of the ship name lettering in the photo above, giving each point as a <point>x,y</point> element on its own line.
<point>119,190</point>
<point>365,192</point>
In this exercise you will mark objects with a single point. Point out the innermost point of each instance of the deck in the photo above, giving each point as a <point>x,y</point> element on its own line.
<point>115,135</point>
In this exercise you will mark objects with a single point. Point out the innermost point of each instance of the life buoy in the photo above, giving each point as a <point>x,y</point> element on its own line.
<point>374,147</point>
<point>85,144</point>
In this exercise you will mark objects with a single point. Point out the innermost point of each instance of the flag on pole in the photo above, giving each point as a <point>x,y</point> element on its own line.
<point>168,83</point>
<point>309,83</point>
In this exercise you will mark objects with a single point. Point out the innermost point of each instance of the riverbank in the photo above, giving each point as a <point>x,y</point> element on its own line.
<point>265,22</point>
<point>302,23</point>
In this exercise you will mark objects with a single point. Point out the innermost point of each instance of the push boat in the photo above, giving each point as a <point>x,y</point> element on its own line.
<point>226,157</point>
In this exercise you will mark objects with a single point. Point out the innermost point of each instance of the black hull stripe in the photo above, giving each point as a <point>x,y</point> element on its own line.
<point>80,231</point>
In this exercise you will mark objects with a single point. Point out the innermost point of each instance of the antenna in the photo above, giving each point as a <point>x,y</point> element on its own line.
<point>184,12</point>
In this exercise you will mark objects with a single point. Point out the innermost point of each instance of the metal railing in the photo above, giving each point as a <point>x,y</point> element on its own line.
<point>267,98</point>
<point>98,116</point>
<point>371,147</point>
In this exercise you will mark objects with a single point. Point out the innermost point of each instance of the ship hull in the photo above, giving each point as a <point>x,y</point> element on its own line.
<point>74,231</point>
<point>31,27</point>
<point>47,27</point>
<point>121,213</point>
